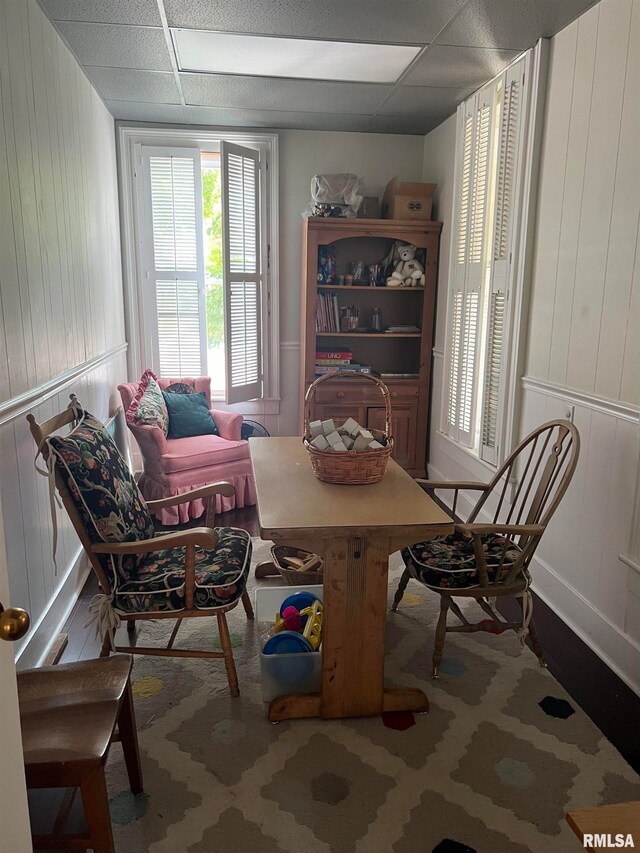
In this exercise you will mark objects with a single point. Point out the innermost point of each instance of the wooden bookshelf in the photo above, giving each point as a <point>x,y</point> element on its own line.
<point>369,241</point>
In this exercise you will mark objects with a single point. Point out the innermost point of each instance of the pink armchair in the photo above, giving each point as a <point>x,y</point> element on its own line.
<point>176,465</point>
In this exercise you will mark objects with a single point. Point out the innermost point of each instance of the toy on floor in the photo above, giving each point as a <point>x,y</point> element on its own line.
<point>301,613</point>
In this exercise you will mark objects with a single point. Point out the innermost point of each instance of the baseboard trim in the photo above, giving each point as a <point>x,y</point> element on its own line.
<point>576,612</point>
<point>47,629</point>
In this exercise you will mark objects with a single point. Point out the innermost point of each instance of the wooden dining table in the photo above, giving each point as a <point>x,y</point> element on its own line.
<point>355,529</point>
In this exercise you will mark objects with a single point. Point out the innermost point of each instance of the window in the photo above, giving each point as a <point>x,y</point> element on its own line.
<point>494,153</point>
<point>199,271</point>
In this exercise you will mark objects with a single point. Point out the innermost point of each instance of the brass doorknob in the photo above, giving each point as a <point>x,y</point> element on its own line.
<point>14,623</point>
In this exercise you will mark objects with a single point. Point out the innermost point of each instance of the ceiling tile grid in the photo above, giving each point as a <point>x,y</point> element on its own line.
<point>126,51</point>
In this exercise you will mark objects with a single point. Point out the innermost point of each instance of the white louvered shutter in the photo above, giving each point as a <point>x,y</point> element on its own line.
<point>510,98</point>
<point>475,122</point>
<point>175,260</point>
<point>242,272</point>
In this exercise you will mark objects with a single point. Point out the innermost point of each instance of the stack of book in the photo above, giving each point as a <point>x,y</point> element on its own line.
<point>409,329</point>
<point>327,313</point>
<point>330,361</point>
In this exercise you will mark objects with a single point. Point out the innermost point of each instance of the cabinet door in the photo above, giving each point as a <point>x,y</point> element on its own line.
<point>403,429</point>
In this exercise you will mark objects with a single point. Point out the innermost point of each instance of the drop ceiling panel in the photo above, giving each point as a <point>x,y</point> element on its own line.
<point>117,46</point>
<point>220,90</point>
<point>126,84</point>
<point>275,119</point>
<point>414,21</point>
<point>142,12</point>
<point>510,25</point>
<point>429,101</point>
<point>136,111</point>
<point>461,67</point>
<point>120,44</point>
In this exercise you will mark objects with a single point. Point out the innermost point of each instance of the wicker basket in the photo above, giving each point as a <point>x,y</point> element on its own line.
<point>353,468</point>
<point>291,576</point>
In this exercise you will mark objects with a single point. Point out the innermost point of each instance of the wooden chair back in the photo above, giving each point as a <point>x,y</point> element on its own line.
<point>42,431</point>
<point>542,465</point>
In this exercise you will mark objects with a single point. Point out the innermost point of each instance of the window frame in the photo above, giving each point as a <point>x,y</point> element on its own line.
<point>519,273</point>
<point>130,139</point>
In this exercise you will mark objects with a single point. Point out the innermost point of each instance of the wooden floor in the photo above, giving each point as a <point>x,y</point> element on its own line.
<point>613,706</point>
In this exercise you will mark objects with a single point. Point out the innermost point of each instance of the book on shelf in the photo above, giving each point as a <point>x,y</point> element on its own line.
<point>327,313</point>
<point>327,362</point>
<point>399,375</point>
<point>402,329</point>
<point>334,354</point>
<point>321,370</point>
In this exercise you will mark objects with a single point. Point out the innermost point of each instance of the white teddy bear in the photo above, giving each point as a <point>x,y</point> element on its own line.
<point>408,271</point>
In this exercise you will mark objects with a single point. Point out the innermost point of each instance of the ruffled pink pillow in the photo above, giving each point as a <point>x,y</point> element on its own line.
<point>148,407</point>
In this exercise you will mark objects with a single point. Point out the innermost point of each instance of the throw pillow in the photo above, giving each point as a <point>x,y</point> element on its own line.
<point>189,415</point>
<point>148,407</point>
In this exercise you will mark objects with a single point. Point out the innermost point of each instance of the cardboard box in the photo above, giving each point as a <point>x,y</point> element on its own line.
<point>407,200</point>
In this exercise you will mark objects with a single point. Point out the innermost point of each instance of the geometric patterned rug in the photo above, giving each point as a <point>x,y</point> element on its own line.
<point>502,754</point>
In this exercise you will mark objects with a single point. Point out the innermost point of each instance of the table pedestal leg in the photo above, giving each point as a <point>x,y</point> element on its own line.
<point>355,607</point>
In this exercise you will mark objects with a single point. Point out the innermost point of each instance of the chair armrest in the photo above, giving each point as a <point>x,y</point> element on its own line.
<point>152,443</point>
<point>222,488</point>
<point>229,424</point>
<point>460,486</point>
<point>204,537</point>
<point>502,529</point>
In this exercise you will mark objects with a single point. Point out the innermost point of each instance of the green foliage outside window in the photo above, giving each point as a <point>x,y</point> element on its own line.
<point>212,210</point>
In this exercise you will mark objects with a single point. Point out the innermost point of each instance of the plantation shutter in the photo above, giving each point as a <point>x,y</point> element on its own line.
<point>510,97</point>
<point>242,273</point>
<point>475,122</point>
<point>175,261</point>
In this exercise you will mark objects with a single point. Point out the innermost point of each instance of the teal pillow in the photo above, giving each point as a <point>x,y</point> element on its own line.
<point>189,415</point>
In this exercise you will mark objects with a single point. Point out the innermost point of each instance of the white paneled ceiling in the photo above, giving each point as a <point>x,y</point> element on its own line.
<point>126,50</point>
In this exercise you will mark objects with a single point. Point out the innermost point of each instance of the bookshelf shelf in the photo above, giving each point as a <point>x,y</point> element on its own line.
<point>404,360</point>
<point>369,334</point>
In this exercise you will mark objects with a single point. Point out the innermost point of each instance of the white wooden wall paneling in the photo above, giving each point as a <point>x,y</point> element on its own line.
<point>579,110</point>
<point>61,308</point>
<point>15,294</point>
<point>610,69</point>
<point>625,217</point>
<point>551,193</point>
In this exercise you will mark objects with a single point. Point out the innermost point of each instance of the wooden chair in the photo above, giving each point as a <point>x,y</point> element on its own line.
<point>196,572</point>
<point>69,714</point>
<point>485,560</point>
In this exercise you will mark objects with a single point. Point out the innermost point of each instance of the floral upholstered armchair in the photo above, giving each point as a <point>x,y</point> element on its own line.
<point>175,465</point>
<point>201,571</point>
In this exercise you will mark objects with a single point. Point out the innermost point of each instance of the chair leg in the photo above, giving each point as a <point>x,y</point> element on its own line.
<point>95,800</point>
<point>225,642</point>
<point>246,603</point>
<point>129,741</point>
<point>404,580</point>
<point>536,645</point>
<point>131,626</point>
<point>441,633</point>
<point>105,651</point>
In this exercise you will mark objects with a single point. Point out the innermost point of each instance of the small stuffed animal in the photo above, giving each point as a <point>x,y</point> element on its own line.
<point>408,271</point>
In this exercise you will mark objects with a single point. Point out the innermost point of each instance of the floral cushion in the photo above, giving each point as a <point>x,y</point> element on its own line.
<point>156,584</point>
<point>148,407</point>
<point>448,562</point>
<point>101,486</point>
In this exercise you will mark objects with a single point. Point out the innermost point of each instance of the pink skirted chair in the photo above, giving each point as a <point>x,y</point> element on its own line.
<point>173,466</point>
